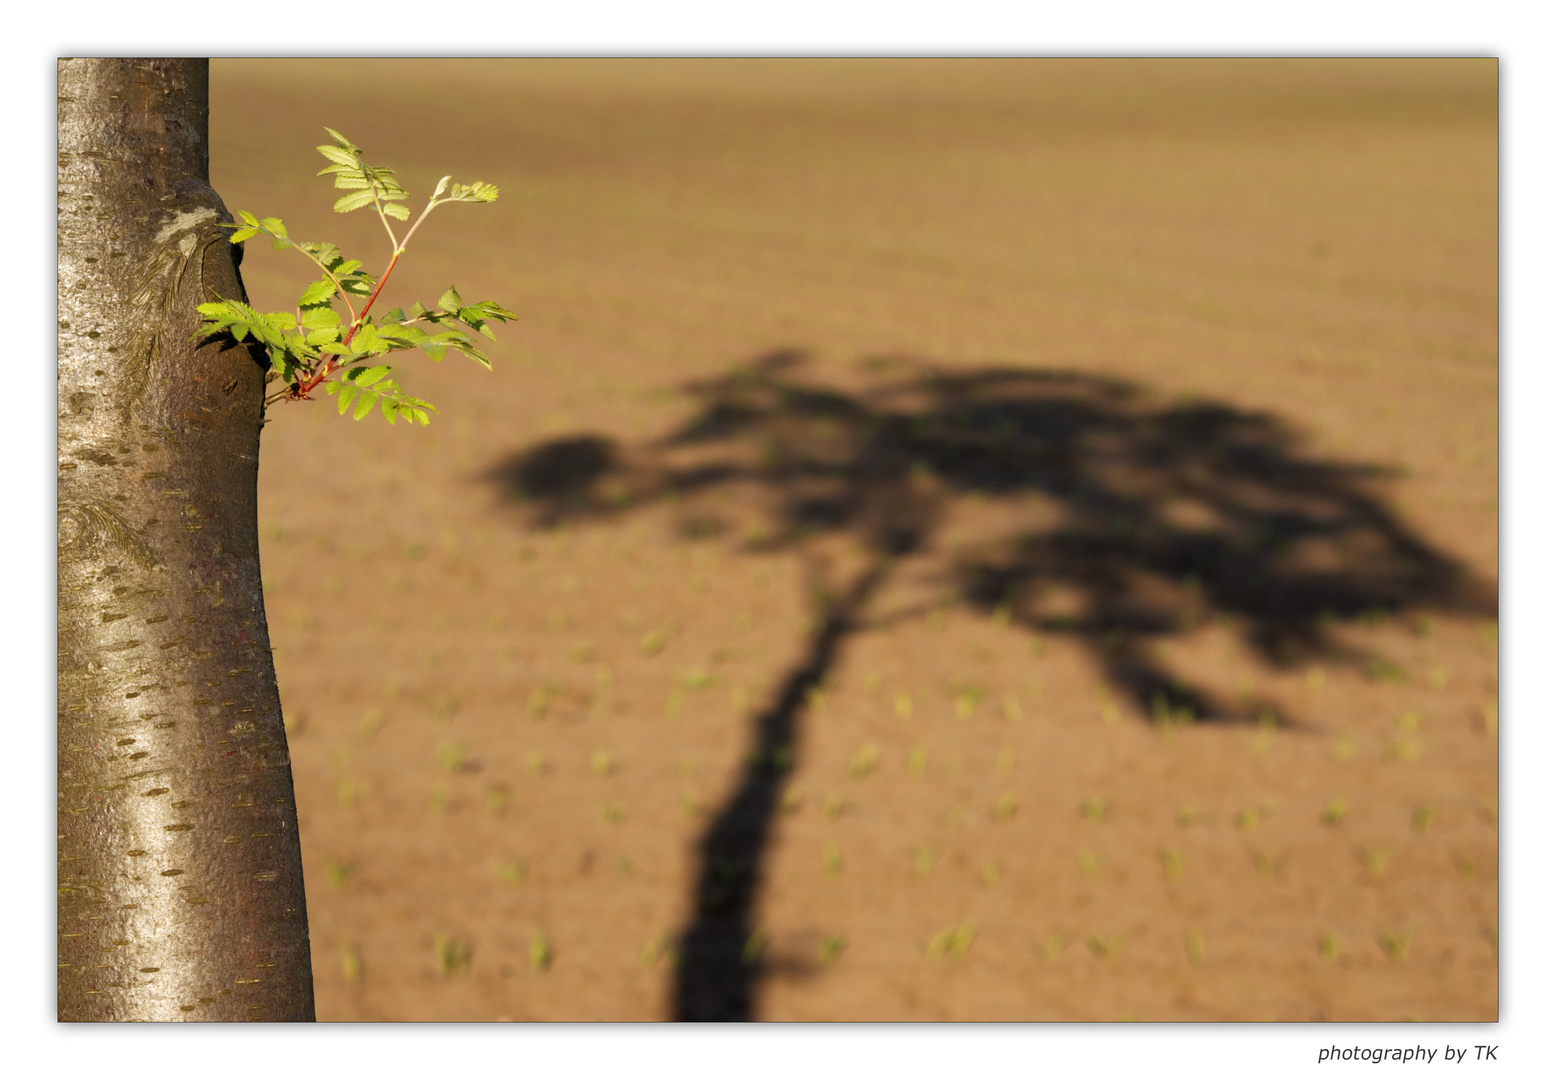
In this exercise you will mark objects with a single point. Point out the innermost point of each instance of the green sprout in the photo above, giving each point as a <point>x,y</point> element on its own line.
<point>452,954</point>
<point>953,942</point>
<point>311,345</point>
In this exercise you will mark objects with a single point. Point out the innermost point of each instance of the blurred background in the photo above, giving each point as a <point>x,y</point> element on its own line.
<point>946,539</point>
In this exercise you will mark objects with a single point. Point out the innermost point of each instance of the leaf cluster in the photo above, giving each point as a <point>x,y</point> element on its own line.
<point>313,344</point>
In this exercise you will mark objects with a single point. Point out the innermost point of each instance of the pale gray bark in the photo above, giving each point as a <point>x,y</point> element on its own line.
<point>181,887</point>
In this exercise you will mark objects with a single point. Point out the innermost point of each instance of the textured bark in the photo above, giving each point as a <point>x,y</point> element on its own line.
<point>181,886</point>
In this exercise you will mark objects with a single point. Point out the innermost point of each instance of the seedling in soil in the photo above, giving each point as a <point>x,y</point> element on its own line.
<point>371,722</point>
<point>650,954</point>
<point>338,872</point>
<point>924,860</point>
<point>1253,816</point>
<point>515,872</point>
<point>696,679</point>
<point>1194,947</point>
<point>832,947</point>
<point>1422,818</point>
<point>1107,948</point>
<point>1091,863</point>
<point>653,643</point>
<point>1012,708</point>
<point>1172,865</point>
<point>952,943</point>
<point>1005,808</point>
<point>1334,811</point>
<point>497,798</point>
<point>751,952</point>
<point>1380,670</point>
<point>691,807</point>
<point>535,763</point>
<point>350,792</point>
<point>864,762</point>
<point>993,872</point>
<point>831,858</point>
<point>452,955</point>
<point>614,813</point>
<point>1404,750</point>
<point>440,798</point>
<point>624,864</point>
<point>918,761</point>
<point>1463,866</point>
<point>350,962</point>
<point>540,955</point>
<point>1268,865</point>
<point>1187,816</point>
<point>902,705</point>
<point>601,764</point>
<point>1094,809</point>
<point>1438,679</point>
<point>453,756</point>
<point>1055,945</point>
<point>673,704</point>
<point>1374,860</point>
<point>1345,748</point>
<point>1005,761</point>
<point>833,807</point>
<point>1395,944</point>
<point>793,800</point>
<point>1329,946</point>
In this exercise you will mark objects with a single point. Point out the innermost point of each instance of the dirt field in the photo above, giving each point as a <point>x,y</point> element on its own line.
<point>948,540</point>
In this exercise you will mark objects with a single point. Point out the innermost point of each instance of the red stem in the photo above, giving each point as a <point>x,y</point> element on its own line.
<point>330,365</point>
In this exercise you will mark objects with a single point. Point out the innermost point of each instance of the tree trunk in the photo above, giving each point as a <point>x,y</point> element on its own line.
<point>181,884</point>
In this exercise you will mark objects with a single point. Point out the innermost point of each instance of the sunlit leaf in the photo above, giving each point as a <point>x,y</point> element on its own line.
<point>347,203</point>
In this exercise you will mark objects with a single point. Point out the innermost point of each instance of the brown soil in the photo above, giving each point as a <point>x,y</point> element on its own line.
<point>946,540</point>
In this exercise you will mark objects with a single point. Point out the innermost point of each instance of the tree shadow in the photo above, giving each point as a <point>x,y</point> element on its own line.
<point>1103,514</point>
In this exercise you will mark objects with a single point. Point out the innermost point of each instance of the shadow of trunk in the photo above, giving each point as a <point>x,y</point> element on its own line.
<point>719,961</point>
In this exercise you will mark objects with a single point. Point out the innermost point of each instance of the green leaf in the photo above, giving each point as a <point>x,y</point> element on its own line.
<point>248,218</point>
<point>396,211</point>
<point>273,225</point>
<point>401,335</point>
<point>337,155</point>
<point>368,376</point>
<point>364,406</point>
<point>366,339</point>
<point>476,192</point>
<point>316,293</point>
<point>242,235</point>
<point>442,186</point>
<point>320,317</point>
<point>344,142</point>
<point>346,393</point>
<point>347,203</point>
<point>449,301</point>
